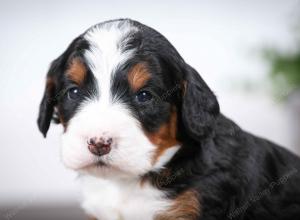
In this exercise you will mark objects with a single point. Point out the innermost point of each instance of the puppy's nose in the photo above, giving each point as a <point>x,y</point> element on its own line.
<point>99,146</point>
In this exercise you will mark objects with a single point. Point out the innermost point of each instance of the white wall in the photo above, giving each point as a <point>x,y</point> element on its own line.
<point>219,38</point>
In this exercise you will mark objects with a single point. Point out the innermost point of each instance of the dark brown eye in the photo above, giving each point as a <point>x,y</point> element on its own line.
<point>143,96</point>
<point>73,93</point>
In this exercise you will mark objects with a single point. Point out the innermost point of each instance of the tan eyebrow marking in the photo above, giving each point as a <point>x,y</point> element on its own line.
<point>138,76</point>
<point>77,71</point>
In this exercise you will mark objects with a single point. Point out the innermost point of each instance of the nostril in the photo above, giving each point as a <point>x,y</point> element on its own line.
<point>91,141</point>
<point>109,141</point>
<point>100,146</point>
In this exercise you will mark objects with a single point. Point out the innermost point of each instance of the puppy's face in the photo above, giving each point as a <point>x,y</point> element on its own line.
<point>117,90</point>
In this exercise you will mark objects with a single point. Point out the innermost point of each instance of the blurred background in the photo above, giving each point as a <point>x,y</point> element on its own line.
<point>247,51</point>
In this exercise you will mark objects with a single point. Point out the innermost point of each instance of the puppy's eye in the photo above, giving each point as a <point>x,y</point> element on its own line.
<point>143,96</point>
<point>73,93</point>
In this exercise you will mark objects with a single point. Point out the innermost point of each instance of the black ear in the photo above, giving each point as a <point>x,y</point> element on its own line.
<point>52,90</point>
<point>46,108</point>
<point>199,105</point>
<point>49,98</point>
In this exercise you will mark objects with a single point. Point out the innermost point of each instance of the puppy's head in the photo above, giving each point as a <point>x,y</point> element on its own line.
<point>126,99</point>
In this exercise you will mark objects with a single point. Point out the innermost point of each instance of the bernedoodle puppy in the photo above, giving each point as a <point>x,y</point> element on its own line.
<point>146,135</point>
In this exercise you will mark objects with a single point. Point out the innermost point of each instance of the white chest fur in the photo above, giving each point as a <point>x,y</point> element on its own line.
<point>121,199</point>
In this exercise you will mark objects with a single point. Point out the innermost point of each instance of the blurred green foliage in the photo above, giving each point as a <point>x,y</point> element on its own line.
<point>285,69</point>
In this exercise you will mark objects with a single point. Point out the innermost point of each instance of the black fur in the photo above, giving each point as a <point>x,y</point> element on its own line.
<point>237,175</point>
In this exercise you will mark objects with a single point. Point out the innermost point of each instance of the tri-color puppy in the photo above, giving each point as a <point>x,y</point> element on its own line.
<point>146,135</point>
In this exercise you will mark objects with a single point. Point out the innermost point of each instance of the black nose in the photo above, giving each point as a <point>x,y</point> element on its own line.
<point>99,146</point>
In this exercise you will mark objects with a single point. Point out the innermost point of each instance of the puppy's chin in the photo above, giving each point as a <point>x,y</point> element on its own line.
<point>106,171</point>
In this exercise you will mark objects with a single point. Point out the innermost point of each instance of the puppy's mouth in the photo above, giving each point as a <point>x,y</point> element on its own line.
<point>101,164</point>
<point>97,163</point>
<point>101,168</point>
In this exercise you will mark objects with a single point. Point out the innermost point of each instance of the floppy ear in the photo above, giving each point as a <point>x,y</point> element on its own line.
<point>52,93</point>
<point>49,99</point>
<point>199,105</point>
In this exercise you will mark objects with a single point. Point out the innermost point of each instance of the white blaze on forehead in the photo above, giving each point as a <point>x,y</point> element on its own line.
<point>107,52</point>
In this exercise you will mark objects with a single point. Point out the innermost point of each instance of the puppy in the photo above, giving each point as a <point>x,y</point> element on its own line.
<point>147,138</point>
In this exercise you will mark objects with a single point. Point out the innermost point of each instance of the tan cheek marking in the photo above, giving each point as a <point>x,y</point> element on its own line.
<point>165,137</point>
<point>186,206</point>
<point>138,76</point>
<point>77,71</point>
<point>50,86</point>
<point>62,121</point>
